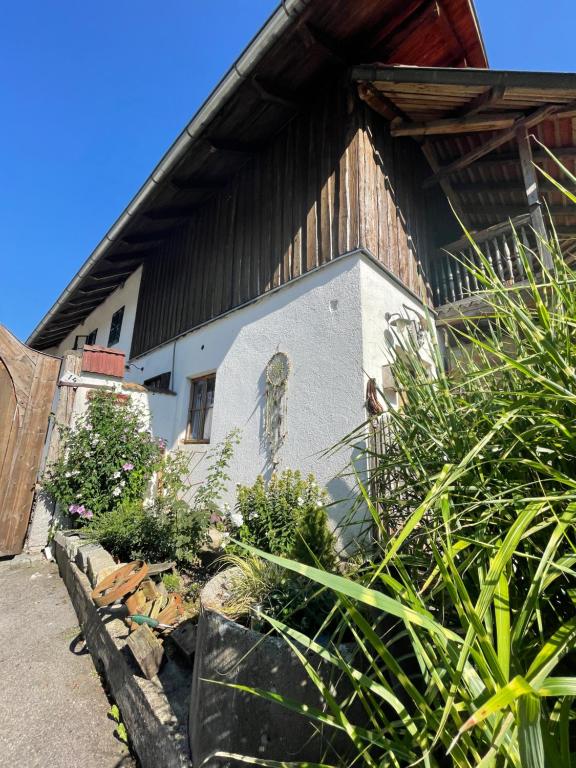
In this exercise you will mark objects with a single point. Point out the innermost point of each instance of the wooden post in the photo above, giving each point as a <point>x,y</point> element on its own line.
<point>533,193</point>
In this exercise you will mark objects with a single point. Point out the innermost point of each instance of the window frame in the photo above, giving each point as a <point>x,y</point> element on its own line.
<point>119,312</point>
<point>161,378</point>
<point>93,333</point>
<point>203,410</point>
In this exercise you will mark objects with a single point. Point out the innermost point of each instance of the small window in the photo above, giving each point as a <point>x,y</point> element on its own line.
<point>115,327</point>
<point>200,412</point>
<point>91,338</point>
<point>159,383</point>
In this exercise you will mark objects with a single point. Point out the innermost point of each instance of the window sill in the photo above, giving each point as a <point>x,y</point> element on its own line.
<point>186,441</point>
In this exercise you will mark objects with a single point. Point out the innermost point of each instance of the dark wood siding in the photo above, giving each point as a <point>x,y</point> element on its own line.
<point>333,180</point>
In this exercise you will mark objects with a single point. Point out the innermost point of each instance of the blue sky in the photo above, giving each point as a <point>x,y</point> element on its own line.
<point>92,94</point>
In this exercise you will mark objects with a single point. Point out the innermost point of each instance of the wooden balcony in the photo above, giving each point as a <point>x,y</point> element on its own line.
<point>452,282</point>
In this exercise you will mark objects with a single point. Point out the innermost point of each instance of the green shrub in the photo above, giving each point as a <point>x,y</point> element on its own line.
<point>283,514</point>
<point>107,459</point>
<point>172,582</point>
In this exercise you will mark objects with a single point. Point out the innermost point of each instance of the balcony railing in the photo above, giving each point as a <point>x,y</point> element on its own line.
<point>452,282</point>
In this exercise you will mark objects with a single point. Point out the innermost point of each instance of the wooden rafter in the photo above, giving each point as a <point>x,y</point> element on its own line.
<point>274,95</point>
<point>529,121</point>
<point>430,155</point>
<point>472,124</point>
<point>171,212</point>
<point>146,237</point>
<point>478,103</point>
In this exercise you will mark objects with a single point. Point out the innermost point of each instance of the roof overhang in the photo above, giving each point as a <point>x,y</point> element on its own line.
<point>467,122</point>
<point>266,87</point>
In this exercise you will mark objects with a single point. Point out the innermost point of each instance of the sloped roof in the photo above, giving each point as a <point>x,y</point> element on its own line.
<point>302,43</point>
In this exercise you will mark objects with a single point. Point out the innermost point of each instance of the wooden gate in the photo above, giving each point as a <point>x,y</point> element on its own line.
<point>27,383</point>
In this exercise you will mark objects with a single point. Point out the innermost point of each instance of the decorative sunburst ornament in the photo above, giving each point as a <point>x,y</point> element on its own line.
<point>277,372</point>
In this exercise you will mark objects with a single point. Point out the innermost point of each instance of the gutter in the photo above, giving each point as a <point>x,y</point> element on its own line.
<point>281,19</point>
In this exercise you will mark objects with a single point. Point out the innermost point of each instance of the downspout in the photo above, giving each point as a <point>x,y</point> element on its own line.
<point>276,25</point>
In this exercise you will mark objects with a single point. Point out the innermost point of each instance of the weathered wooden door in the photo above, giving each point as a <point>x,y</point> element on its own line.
<point>27,383</point>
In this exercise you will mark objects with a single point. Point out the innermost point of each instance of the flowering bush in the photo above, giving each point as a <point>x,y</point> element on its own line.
<point>107,460</point>
<point>167,527</point>
<point>285,516</point>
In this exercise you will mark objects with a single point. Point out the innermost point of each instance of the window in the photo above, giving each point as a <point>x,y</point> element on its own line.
<point>91,338</point>
<point>159,383</point>
<point>115,327</point>
<point>200,412</point>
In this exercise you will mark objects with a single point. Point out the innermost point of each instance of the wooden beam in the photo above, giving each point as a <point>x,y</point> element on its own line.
<point>467,159</point>
<point>380,103</point>
<point>89,290</point>
<point>123,259</point>
<point>514,209</point>
<point>171,212</point>
<point>315,38</point>
<point>473,124</point>
<point>274,95</point>
<point>493,187</point>
<point>110,273</point>
<point>533,192</point>
<point>477,104</point>
<point>194,184</point>
<point>230,146</point>
<point>146,237</point>
<point>430,155</point>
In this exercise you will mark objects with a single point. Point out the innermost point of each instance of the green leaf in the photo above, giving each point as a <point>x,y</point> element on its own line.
<point>530,739</point>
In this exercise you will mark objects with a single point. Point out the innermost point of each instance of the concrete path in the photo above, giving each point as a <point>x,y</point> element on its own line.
<point>53,710</point>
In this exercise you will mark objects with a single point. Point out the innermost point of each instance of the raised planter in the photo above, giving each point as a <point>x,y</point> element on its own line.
<point>154,711</point>
<point>228,720</point>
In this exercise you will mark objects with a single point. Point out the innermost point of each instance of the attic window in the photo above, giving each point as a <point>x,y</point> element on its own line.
<point>115,327</point>
<point>91,338</point>
<point>160,383</point>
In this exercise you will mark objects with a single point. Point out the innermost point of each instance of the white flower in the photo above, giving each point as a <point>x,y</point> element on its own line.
<point>300,501</point>
<point>68,474</point>
<point>319,504</point>
<point>116,475</point>
<point>117,491</point>
<point>88,427</point>
<point>236,519</point>
<point>122,483</point>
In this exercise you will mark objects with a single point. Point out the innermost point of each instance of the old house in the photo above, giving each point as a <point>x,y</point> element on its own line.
<point>307,204</point>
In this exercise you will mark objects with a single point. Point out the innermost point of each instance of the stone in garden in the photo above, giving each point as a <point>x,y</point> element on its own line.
<point>82,555</point>
<point>216,592</point>
<point>100,565</point>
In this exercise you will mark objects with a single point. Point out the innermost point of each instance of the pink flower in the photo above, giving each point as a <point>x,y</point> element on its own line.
<point>128,466</point>
<point>73,509</point>
<point>88,514</point>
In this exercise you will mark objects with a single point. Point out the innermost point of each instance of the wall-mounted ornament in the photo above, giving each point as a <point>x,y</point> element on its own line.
<point>277,372</point>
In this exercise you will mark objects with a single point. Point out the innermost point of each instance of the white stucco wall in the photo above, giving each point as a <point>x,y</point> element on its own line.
<point>317,322</point>
<point>125,296</point>
<point>331,323</point>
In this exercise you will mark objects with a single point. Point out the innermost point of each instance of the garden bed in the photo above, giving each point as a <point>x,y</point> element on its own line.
<point>154,711</point>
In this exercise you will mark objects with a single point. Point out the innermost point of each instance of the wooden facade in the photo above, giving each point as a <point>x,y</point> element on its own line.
<point>331,182</point>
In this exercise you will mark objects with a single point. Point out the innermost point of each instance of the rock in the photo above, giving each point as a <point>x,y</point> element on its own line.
<point>82,553</point>
<point>217,591</point>
<point>100,565</point>
<point>184,637</point>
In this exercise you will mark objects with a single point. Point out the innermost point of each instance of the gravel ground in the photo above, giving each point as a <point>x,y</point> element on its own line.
<point>53,710</point>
